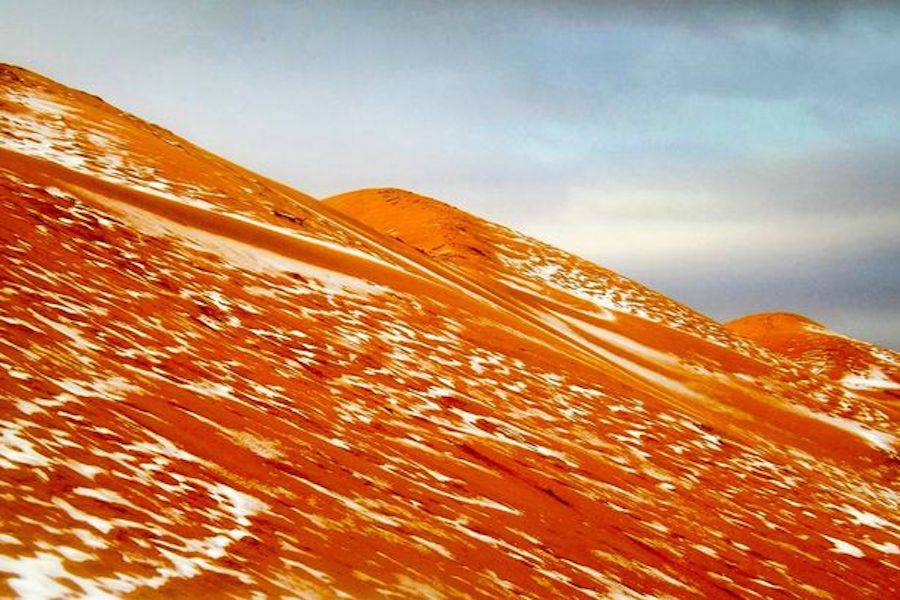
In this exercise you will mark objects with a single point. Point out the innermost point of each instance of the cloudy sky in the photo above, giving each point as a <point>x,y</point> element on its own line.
<point>740,157</point>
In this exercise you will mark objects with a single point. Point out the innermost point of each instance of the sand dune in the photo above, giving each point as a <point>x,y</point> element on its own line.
<point>215,385</point>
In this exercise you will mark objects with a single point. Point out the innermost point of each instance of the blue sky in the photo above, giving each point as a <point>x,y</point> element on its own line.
<point>740,157</point>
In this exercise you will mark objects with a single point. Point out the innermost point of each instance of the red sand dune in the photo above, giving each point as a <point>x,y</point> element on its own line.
<point>215,385</point>
<point>864,370</point>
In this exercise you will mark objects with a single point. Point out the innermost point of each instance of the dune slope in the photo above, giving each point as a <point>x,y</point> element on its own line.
<point>212,384</point>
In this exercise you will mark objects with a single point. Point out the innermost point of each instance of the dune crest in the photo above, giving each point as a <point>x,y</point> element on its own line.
<point>860,367</point>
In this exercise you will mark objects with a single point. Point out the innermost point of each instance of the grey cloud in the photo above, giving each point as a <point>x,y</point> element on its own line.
<point>838,180</point>
<point>715,15</point>
<point>850,292</point>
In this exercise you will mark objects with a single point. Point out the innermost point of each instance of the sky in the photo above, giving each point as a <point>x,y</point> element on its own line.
<point>738,157</point>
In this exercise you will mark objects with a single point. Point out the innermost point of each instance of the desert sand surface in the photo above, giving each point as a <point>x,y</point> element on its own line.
<point>214,385</point>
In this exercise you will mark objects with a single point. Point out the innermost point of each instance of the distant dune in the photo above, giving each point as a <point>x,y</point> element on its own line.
<point>861,368</point>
